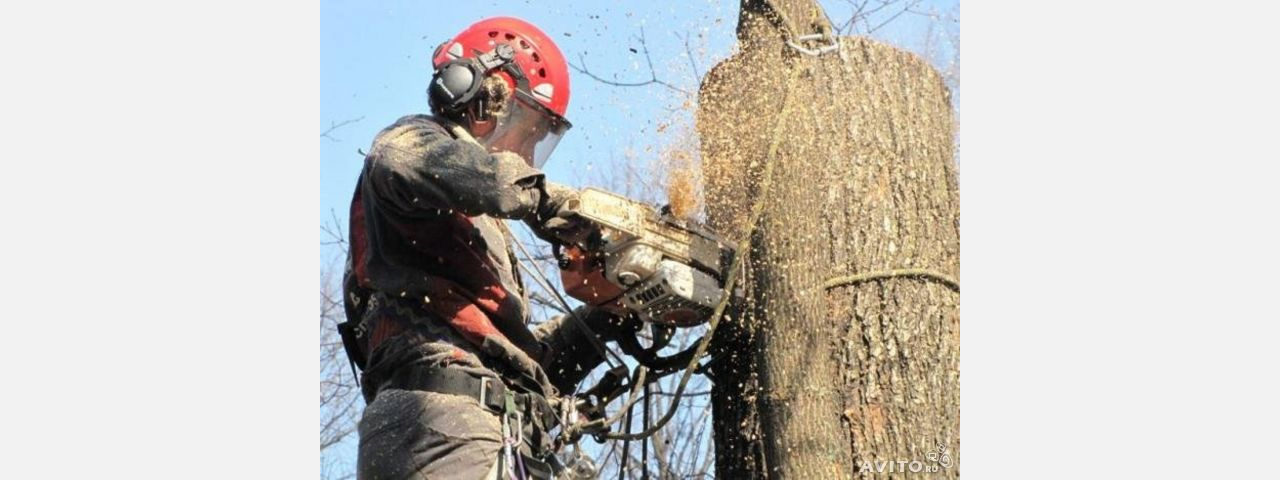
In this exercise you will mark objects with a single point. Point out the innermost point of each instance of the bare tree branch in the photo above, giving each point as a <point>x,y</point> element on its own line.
<point>653,74</point>
<point>685,394</point>
<point>542,300</point>
<point>894,17</point>
<point>340,396</point>
<point>336,125</point>
<point>688,52</point>
<point>860,21</point>
<point>333,228</point>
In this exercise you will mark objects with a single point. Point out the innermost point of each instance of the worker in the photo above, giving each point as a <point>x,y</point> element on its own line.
<point>457,384</point>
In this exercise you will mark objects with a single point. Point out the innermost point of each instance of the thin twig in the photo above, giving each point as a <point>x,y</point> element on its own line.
<point>693,62</point>
<point>336,125</point>
<point>689,394</point>
<point>333,228</point>
<point>857,12</point>
<point>543,301</point>
<point>653,74</point>
<point>895,16</point>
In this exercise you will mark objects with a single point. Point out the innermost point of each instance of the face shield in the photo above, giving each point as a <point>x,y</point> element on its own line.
<point>529,129</point>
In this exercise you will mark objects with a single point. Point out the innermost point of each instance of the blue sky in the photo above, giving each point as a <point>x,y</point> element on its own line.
<point>375,65</point>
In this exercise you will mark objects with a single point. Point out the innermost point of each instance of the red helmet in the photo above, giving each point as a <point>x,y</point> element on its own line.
<point>533,67</point>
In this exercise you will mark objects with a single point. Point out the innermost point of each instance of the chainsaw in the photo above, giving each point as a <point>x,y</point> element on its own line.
<point>648,267</point>
<point>643,261</point>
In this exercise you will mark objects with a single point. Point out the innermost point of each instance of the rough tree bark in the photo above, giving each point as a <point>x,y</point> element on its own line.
<point>814,379</point>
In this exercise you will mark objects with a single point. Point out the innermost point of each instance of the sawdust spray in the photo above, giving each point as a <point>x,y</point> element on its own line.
<point>683,183</point>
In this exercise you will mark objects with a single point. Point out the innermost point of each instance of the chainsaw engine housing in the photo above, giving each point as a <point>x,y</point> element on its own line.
<point>669,271</point>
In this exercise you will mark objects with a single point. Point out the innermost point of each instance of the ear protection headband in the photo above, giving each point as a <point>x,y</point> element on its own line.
<point>458,81</point>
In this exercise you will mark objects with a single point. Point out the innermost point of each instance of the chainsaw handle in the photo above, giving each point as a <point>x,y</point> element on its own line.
<point>661,334</point>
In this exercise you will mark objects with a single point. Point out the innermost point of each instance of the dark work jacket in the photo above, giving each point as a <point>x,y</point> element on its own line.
<point>428,248</point>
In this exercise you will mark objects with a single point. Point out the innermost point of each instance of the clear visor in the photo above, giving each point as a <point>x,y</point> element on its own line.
<point>528,129</point>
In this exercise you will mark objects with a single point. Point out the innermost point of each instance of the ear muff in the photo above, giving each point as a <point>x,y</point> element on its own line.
<point>456,83</point>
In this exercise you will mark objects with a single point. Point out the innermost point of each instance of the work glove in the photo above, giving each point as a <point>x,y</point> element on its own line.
<point>569,354</point>
<point>554,221</point>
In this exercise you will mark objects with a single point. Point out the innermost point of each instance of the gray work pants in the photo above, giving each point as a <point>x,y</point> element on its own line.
<point>412,434</point>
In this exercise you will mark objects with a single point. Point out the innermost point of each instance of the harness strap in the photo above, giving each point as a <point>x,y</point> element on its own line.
<point>491,392</point>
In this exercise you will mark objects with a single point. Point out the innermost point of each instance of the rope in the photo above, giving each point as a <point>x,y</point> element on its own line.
<point>644,446</point>
<point>846,280</point>
<point>626,448</point>
<point>626,406</point>
<point>734,268</point>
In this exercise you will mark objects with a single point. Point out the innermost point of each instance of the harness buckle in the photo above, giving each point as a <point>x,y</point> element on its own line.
<point>491,395</point>
<point>484,390</point>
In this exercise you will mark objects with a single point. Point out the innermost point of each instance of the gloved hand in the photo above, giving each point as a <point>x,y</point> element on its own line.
<point>554,221</point>
<point>569,354</point>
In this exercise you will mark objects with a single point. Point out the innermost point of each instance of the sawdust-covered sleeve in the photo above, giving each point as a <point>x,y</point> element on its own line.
<point>415,166</point>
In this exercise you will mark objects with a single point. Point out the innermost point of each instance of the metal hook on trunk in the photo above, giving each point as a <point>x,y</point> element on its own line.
<point>834,44</point>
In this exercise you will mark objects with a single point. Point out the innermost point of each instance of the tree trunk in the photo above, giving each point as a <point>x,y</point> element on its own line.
<point>845,359</point>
